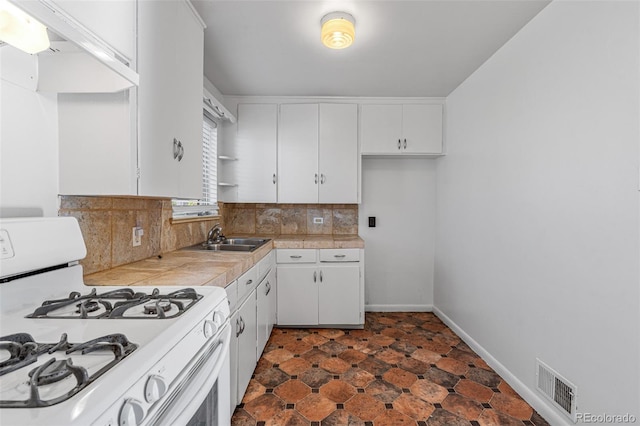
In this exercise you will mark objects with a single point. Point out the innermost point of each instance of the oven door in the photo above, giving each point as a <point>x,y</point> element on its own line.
<point>202,397</point>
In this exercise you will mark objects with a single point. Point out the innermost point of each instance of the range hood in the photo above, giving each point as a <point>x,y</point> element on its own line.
<point>78,61</point>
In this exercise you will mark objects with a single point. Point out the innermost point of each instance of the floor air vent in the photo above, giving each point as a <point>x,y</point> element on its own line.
<point>558,389</point>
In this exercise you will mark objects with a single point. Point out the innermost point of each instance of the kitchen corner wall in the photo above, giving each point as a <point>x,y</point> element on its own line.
<point>285,219</point>
<point>106,223</point>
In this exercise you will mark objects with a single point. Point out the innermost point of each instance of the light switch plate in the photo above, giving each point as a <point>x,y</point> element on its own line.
<point>136,237</point>
<point>318,220</point>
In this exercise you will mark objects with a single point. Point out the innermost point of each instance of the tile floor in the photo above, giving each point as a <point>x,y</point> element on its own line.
<point>402,369</point>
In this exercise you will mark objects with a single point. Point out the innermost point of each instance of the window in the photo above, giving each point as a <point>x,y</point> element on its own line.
<point>208,204</point>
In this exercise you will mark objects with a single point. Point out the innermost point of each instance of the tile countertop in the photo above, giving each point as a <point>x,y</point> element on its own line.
<point>195,268</point>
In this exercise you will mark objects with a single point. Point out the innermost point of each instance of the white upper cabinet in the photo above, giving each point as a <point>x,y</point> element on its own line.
<point>318,153</point>
<point>256,149</point>
<point>338,153</point>
<point>298,154</point>
<point>401,129</point>
<point>170,64</point>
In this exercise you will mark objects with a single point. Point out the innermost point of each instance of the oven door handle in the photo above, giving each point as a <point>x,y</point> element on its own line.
<point>186,397</point>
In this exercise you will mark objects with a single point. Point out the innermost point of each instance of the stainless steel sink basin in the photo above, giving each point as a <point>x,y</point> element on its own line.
<point>232,244</point>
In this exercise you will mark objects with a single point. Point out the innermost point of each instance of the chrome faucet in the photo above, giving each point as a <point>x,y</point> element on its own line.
<point>215,235</point>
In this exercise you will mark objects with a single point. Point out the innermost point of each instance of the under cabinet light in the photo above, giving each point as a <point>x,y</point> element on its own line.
<point>20,30</point>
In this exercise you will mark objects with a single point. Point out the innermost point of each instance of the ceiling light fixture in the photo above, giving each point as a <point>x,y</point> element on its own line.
<point>338,30</point>
<point>21,30</point>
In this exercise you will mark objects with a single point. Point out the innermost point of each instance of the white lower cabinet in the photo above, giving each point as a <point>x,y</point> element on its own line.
<point>252,318</point>
<point>266,298</point>
<point>327,292</point>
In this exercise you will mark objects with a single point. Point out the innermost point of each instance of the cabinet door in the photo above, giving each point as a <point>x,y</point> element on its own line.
<point>247,358</point>
<point>422,129</point>
<point>233,358</point>
<point>256,151</point>
<point>339,294</point>
<point>338,153</point>
<point>297,295</point>
<point>381,129</point>
<point>187,105</point>
<point>272,291</point>
<point>298,153</point>
<point>262,297</point>
<point>170,64</point>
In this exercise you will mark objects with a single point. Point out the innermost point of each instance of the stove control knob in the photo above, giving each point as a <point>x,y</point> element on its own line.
<point>155,389</point>
<point>131,413</point>
<point>218,318</point>
<point>210,328</point>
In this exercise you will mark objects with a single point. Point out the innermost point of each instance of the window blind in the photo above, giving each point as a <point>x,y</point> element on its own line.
<point>208,204</point>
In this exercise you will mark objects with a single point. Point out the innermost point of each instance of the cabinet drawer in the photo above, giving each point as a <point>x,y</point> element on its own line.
<point>247,282</point>
<point>339,255</point>
<point>232,295</point>
<point>265,264</point>
<point>296,256</point>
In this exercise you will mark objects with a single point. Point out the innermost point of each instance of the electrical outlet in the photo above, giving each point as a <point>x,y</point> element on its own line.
<point>136,235</point>
<point>318,220</point>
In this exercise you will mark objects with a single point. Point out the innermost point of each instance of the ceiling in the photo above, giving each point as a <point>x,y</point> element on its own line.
<point>402,48</point>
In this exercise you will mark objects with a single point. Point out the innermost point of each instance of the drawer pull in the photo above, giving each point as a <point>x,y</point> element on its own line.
<point>339,256</point>
<point>296,256</point>
<point>249,282</point>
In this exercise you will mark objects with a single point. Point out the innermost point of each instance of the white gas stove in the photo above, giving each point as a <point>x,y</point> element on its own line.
<point>71,354</point>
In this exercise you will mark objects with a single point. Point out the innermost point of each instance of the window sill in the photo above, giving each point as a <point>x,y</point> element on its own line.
<point>194,219</point>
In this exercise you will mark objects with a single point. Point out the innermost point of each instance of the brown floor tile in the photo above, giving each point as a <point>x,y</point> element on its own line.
<point>474,390</point>
<point>400,377</point>
<point>429,391</point>
<point>364,407</point>
<point>515,407</point>
<point>335,365</point>
<point>315,407</point>
<point>295,366</point>
<point>452,366</point>
<point>495,418</point>
<point>384,391</point>
<point>403,368</point>
<point>338,391</point>
<point>288,418</point>
<point>393,418</point>
<point>264,407</point>
<point>413,406</point>
<point>462,406</point>
<point>292,391</point>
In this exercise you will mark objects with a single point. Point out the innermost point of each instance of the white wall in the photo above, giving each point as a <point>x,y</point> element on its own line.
<point>537,206</point>
<point>28,140</point>
<point>97,155</point>
<point>400,193</point>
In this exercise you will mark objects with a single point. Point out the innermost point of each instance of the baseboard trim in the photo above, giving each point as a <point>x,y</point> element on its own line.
<point>398,308</point>
<point>529,395</point>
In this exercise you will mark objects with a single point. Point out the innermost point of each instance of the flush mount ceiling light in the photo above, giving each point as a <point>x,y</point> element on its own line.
<point>21,30</point>
<point>338,30</point>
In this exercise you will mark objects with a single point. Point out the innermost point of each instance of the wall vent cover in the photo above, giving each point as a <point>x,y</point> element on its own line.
<point>559,390</point>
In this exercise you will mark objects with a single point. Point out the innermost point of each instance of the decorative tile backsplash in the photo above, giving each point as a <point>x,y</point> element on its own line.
<point>107,222</point>
<point>284,219</point>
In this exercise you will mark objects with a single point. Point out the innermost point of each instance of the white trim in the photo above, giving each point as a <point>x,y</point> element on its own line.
<point>196,15</point>
<point>532,398</point>
<point>398,308</point>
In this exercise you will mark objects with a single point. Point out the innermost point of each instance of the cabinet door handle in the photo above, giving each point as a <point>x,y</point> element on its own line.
<point>274,178</point>
<point>399,144</point>
<point>295,256</point>
<point>339,256</point>
<point>320,276</point>
<point>315,276</point>
<point>181,149</point>
<point>249,282</point>
<point>405,144</point>
<point>175,148</point>
<point>268,289</point>
<point>316,179</point>
<point>238,330</point>
<point>323,179</point>
<point>242,324</point>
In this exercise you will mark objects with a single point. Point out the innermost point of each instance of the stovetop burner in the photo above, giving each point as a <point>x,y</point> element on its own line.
<point>120,303</point>
<point>24,351</point>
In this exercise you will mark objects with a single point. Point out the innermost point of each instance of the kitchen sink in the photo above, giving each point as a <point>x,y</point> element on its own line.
<point>232,244</point>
